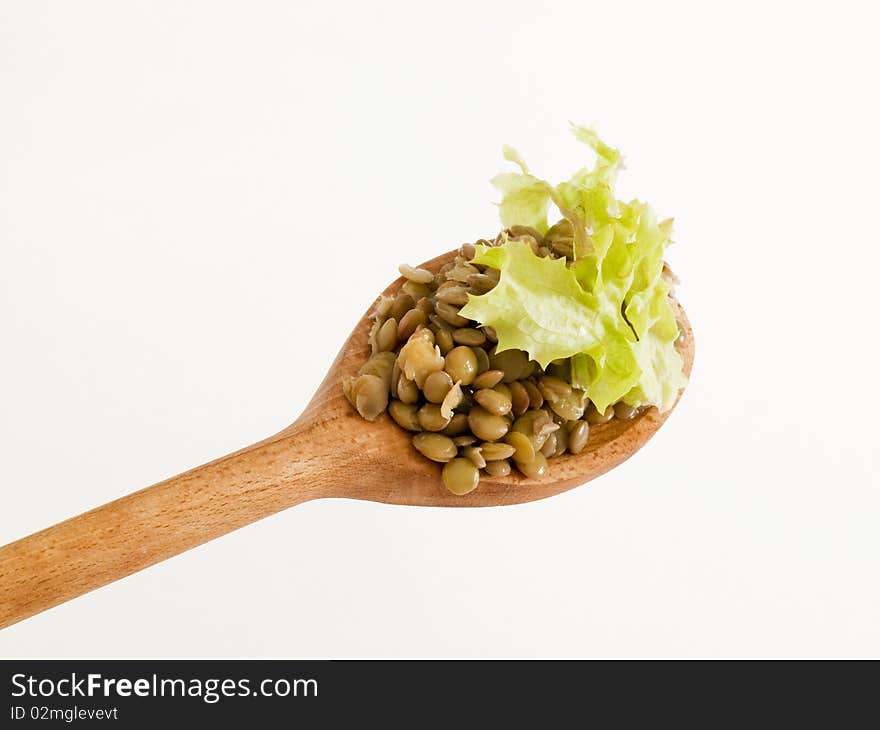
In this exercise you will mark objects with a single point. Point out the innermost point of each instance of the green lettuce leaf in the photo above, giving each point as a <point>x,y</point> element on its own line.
<point>537,306</point>
<point>609,310</point>
<point>526,198</point>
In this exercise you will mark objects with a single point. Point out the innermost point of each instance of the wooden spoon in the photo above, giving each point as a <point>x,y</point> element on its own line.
<point>330,451</point>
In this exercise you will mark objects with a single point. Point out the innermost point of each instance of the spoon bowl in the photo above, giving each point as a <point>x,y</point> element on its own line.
<point>389,470</point>
<point>328,452</point>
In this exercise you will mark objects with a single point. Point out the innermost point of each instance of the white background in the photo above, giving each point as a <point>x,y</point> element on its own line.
<point>180,181</point>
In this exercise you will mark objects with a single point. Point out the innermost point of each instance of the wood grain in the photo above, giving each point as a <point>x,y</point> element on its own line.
<point>329,452</point>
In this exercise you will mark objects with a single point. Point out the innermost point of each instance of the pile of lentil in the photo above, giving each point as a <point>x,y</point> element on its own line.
<point>468,406</point>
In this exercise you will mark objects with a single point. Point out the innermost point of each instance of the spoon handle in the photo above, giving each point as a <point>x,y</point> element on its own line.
<point>129,534</point>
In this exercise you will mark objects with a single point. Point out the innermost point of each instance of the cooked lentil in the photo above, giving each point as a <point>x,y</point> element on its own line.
<point>480,283</point>
<point>495,451</point>
<point>484,425</point>
<point>420,276</point>
<point>488,379</point>
<point>493,401</point>
<point>431,418</point>
<point>594,418</point>
<point>371,396</point>
<point>407,390</point>
<point>402,304</point>
<point>482,360</point>
<point>435,446</point>
<point>562,439</point>
<point>453,293</point>
<point>536,400</point>
<point>460,476</point>
<point>523,449</point>
<point>461,364</point>
<point>410,322</point>
<point>436,386</point>
<point>536,468</point>
<point>444,341</point>
<point>450,314</point>
<point>519,398</point>
<point>570,407</point>
<point>474,454</point>
<point>500,468</point>
<point>416,291</point>
<point>549,447</point>
<point>577,437</point>
<point>405,415</point>
<point>511,362</point>
<point>468,336</point>
<point>624,411</point>
<point>457,425</point>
